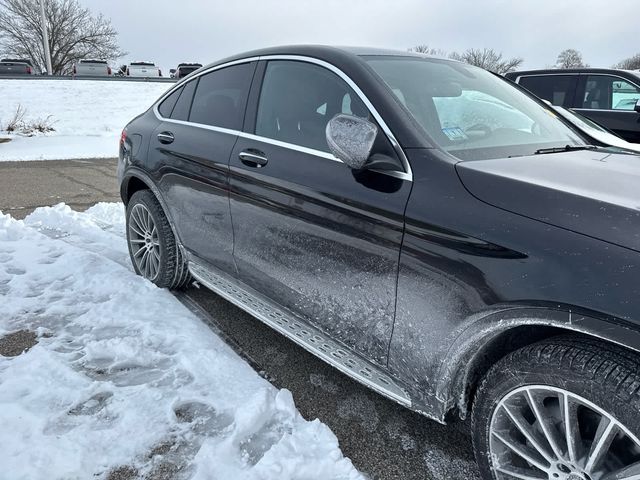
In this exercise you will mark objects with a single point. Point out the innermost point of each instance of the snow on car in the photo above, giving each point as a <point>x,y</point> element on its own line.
<point>123,378</point>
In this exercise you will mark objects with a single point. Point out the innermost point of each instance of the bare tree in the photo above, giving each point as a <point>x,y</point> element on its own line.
<point>74,33</point>
<point>570,58</point>
<point>631,63</point>
<point>427,50</point>
<point>488,59</point>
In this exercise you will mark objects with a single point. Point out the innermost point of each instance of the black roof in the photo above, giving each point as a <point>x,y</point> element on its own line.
<point>327,53</point>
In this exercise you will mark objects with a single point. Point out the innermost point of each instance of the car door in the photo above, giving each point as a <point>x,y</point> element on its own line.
<point>192,145</point>
<point>316,237</point>
<point>609,101</point>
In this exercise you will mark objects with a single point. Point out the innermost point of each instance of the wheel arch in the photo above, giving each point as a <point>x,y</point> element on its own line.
<point>495,336</point>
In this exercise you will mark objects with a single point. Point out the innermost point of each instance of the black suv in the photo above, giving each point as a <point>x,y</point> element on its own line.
<point>426,227</point>
<point>608,97</point>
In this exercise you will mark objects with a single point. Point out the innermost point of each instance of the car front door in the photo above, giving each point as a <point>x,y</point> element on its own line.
<point>610,101</point>
<point>192,146</point>
<point>321,240</point>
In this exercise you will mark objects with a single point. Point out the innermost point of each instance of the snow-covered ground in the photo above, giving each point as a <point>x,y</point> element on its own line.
<point>123,377</point>
<point>88,115</point>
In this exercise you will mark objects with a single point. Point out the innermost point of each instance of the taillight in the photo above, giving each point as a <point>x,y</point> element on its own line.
<point>127,71</point>
<point>28,70</point>
<point>123,137</point>
<point>160,72</point>
<point>75,70</point>
<point>108,70</point>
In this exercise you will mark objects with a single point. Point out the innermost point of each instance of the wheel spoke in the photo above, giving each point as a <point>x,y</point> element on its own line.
<point>548,428</point>
<point>137,240</point>
<point>528,432</point>
<point>571,428</point>
<point>631,472</point>
<point>133,225</point>
<point>523,451</point>
<point>520,473</point>
<point>605,435</point>
<point>145,263</point>
<point>137,216</point>
<point>137,253</point>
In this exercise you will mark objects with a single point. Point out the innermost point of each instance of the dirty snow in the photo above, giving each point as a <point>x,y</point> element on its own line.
<point>88,115</point>
<point>123,377</point>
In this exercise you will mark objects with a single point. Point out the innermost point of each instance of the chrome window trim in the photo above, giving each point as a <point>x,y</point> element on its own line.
<point>406,175</point>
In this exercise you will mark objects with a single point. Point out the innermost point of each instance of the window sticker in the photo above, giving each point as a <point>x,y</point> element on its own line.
<point>454,133</point>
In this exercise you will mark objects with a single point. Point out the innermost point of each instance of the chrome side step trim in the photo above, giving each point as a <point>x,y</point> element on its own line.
<point>308,337</point>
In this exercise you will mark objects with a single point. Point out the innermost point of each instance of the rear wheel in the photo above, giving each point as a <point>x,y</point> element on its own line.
<point>564,409</point>
<point>154,252</point>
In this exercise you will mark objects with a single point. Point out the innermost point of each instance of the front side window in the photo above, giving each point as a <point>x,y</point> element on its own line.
<point>557,89</point>
<point>221,97</point>
<point>469,112</point>
<point>605,92</point>
<point>297,101</point>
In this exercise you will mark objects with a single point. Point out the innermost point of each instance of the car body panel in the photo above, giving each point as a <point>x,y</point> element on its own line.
<point>473,245</point>
<point>91,68</point>
<point>15,68</point>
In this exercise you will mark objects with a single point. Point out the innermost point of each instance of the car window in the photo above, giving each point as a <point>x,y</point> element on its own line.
<point>605,92</point>
<point>558,89</point>
<point>469,112</point>
<point>297,101</point>
<point>166,107</point>
<point>221,97</point>
<point>183,105</point>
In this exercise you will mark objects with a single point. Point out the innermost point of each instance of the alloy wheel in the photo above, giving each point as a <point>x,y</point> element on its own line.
<point>547,433</point>
<point>144,242</point>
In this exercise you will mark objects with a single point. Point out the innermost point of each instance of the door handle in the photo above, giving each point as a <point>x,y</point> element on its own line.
<point>253,158</point>
<point>166,138</point>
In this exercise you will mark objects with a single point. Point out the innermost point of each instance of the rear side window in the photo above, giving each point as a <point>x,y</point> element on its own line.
<point>557,89</point>
<point>297,101</point>
<point>183,105</point>
<point>221,97</point>
<point>166,107</point>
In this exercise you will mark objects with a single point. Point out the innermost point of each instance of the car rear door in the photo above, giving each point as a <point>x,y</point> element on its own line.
<point>321,240</point>
<point>609,101</point>
<point>559,89</point>
<point>191,148</point>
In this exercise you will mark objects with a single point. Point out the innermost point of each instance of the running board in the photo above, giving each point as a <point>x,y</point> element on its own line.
<point>308,337</point>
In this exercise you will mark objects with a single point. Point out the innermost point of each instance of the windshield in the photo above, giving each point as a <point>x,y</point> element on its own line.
<point>470,112</point>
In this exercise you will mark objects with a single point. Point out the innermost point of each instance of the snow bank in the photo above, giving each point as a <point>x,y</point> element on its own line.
<point>125,376</point>
<point>88,115</point>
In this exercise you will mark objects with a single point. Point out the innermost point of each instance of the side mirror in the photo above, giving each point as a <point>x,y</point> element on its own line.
<point>351,139</point>
<point>637,107</point>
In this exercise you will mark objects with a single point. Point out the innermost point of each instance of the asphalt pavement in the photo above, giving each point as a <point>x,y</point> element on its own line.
<point>384,440</point>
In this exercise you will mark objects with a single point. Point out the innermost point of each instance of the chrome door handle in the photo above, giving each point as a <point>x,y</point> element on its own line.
<point>253,158</point>
<point>166,137</point>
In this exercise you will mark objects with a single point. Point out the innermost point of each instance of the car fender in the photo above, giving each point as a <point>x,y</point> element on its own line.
<point>467,351</point>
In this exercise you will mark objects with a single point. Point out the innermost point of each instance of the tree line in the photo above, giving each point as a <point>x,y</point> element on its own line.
<point>494,61</point>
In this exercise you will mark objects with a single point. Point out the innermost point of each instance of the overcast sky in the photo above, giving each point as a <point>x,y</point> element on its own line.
<point>172,31</point>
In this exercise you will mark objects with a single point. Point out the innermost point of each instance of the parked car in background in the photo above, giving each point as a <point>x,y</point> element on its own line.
<point>143,69</point>
<point>424,226</point>
<point>10,66</point>
<point>185,69</point>
<point>608,97</point>
<point>92,68</point>
<point>597,134</point>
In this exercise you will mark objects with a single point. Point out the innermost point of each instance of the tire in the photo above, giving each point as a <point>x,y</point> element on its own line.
<point>167,268</point>
<point>598,383</point>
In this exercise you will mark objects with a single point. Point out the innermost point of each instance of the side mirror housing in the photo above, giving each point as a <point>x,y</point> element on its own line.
<point>637,107</point>
<point>351,139</point>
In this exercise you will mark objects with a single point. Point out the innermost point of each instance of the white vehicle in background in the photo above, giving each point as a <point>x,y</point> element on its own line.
<point>91,68</point>
<point>143,69</point>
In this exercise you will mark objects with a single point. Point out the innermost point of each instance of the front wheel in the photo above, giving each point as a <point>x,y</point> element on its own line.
<point>154,252</point>
<point>563,409</point>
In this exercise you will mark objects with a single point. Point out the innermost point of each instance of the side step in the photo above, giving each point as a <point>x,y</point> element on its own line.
<point>308,337</point>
